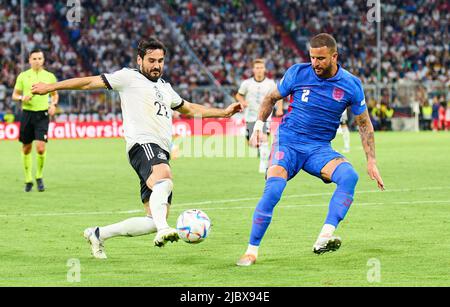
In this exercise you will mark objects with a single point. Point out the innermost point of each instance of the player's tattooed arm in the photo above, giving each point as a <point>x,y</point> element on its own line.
<point>268,103</point>
<point>368,142</point>
<point>367,134</point>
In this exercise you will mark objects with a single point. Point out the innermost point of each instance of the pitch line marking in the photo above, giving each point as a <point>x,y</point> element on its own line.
<point>182,205</point>
<point>226,208</point>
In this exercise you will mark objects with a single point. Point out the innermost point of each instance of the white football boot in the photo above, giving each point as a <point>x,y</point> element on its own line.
<point>246,260</point>
<point>326,244</point>
<point>165,235</point>
<point>92,235</point>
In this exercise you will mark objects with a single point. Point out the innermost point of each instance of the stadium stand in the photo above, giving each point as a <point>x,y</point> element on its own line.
<point>61,58</point>
<point>228,35</point>
<point>414,36</point>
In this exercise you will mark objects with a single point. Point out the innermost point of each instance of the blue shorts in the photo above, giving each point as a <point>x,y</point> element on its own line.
<point>309,157</point>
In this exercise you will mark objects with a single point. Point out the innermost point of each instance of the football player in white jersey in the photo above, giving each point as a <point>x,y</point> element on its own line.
<point>345,132</point>
<point>147,103</point>
<point>250,95</point>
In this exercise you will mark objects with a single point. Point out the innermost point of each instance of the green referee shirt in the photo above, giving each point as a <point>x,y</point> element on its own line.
<point>24,82</point>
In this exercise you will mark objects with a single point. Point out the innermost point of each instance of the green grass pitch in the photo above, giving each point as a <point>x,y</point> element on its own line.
<point>403,232</point>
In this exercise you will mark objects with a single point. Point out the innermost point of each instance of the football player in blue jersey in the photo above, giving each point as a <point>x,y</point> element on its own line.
<point>321,91</point>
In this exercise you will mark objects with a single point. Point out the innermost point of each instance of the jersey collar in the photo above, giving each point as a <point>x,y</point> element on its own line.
<point>336,77</point>
<point>254,79</point>
<point>31,70</point>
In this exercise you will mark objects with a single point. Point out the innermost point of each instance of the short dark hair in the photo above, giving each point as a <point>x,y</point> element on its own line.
<point>36,50</point>
<point>150,44</point>
<point>323,40</point>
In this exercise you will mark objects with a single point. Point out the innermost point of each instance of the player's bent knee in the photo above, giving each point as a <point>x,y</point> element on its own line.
<point>164,184</point>
<point>352,177</point>
<point>345,174</point>
<point>159,172</point>
<point>277,171</point>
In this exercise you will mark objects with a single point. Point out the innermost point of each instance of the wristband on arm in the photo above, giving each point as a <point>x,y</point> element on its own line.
<point>259,125</point>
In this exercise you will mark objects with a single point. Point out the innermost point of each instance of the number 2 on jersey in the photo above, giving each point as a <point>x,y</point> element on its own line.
<point>305,95</point>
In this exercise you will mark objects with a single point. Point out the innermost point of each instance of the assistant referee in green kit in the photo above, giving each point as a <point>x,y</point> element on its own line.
<point>35,116</point>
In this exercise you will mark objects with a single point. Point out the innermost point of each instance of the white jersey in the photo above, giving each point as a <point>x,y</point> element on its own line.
<point>254,93</point>
<point>146,107</point>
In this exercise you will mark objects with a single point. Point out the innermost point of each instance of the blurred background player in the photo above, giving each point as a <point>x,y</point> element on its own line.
<point>442,113</point>
<point>345,131</point>
<point>438,113</point>
<point>147,103</point>
<point>35,116</point>
<point>250,95</point>
<point>322,90</point>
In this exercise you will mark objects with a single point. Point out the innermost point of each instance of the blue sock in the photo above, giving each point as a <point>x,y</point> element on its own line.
<point>346,178</point>
<point>263,212</point>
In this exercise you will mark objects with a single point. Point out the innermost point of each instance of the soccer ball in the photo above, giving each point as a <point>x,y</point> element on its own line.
<point>193,226</point>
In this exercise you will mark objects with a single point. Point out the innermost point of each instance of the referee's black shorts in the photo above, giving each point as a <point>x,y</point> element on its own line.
<point>33,126</point>
<point>142,158</point>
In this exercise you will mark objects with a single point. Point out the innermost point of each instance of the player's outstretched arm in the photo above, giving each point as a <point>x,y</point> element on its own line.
<point>197,110</point>
<point>368,142</point>
<point>85,83</point>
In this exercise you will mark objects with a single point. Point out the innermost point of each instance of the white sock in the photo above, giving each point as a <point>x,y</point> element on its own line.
<point>158,202</point>
<point>252,250</point>
<point>327,231</point>
<point>264,155</point>
<point>132,227</point>
<point>346,137</point>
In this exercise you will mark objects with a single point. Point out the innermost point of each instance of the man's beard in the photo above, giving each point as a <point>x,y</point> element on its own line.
<point>326,72</point>
<point>151,76</point>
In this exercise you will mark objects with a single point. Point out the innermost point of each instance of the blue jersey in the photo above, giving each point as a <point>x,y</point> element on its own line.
<point>317,103</point>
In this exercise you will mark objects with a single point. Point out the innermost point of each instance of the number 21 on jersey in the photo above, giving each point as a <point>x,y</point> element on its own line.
<point>162,109</point>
